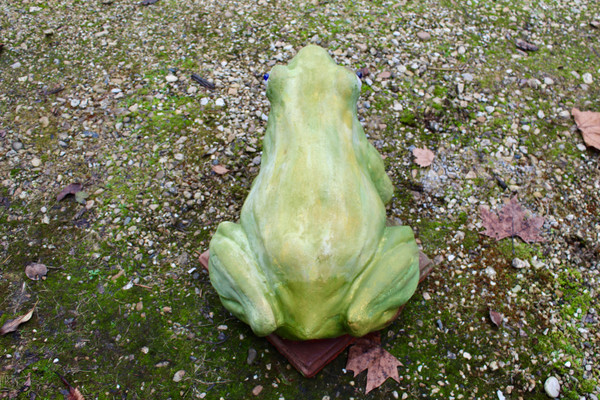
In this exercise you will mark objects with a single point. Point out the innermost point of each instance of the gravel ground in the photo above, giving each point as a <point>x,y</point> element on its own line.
<point>100,93</point>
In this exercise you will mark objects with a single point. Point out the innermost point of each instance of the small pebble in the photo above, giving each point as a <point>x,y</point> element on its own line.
<point>518,263</point>
<point>552,387</point>
<point>423,35</point>
<point>178,375</point>
<point>587,78</point>
<point>257,389</point>
<point>171,78</point>
<point>251,356</point>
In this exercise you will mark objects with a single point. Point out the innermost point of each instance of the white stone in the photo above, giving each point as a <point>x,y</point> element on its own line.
<point>220,102</point>
<point>171,78</point>
<point>500,395</point>
<point>397,106</point>
<point>552,387</point>
<point>204,101</point>
<point>548,81</point>
<point>541,114</point>
<point>587,78</point>
<point>518,263</point>
<point>192,90</point>
<point>178,375</point>
<point>36,162</point>
<point>16,65</point>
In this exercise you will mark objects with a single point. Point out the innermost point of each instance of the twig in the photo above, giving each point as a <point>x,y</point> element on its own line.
<point>143,286</point>
<point>212,383</point>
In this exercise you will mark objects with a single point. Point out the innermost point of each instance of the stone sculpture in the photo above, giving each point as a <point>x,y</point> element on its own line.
<point>312,257</point>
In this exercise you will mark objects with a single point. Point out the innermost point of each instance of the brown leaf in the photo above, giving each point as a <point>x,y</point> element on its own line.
<point>35,271</point>
<point>423,157</point>
<point>368,354</point>
<point>219,169</point>
<point>496,317</point>
<point>511,222</point>
<point>71,188</point>
<point>525,46</point>
<point>74,393</point>
<point>12,325</point>
<point>588,123</point>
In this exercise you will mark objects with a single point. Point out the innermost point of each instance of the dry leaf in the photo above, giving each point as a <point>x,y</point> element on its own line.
<point>219,169</point>
<point>12,325</point>
<point>35,271</point>
<point>368,354</point>
<point>204,259</point>
<point>588,123</point>
<point>423,157</point>
<point>74,393</point>
<point>72,188</point>
<point>511,222</point>
<point>496,317</point>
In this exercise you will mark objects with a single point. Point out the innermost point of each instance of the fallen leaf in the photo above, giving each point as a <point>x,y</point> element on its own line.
<point>423,157</point>
<point>12,325</point>
<point>71,188</point>
<point>511,222</point>
<point>204,259</point>
<point>219,169</point>
<point>496,317</point>
<point>35,271</point>
<point>74,393</point>
<point>525,46</point>
<point>588,123</point>
<point>367,354</point>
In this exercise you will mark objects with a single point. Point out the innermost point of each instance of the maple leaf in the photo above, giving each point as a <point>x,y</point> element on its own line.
<point>423,157</point>
<point>367,354</point>
<point>511,222</point>
<point>588,123</point>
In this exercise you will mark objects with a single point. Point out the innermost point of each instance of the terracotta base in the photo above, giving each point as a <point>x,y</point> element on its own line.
<point>310,356</point>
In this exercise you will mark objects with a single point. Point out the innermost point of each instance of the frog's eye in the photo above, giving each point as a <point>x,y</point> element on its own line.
<point>359,82</point>
<point>265,77</point>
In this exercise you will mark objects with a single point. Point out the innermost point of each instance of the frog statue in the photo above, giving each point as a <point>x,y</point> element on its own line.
<point>312,257</point>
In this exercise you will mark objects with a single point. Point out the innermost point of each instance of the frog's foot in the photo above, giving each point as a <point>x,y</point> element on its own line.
<point>388,282</point>
<point>239,281</point>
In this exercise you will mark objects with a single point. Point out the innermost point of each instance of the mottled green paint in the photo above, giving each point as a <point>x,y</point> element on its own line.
<point>312,256</point>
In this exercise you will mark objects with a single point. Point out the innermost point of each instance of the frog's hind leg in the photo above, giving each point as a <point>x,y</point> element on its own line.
<point>239,281</point>
<point>388,281</point>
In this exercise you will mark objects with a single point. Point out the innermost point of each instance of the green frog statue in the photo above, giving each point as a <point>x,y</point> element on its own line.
<point>312,257</point>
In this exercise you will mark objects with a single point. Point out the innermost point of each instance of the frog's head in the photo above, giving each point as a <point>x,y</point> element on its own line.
<point>313,78</point>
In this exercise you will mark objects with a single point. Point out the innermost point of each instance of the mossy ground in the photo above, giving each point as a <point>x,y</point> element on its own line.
<point>122,308</point>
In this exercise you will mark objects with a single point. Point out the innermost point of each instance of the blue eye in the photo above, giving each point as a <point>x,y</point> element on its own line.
<point>266,77</point>
<point>359,74</point>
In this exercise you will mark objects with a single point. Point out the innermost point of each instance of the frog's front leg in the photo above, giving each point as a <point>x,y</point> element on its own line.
<point>239,281</point>
<point>387,282</point>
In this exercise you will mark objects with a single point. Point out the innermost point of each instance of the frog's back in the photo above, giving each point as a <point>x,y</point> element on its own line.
<point>313,208</point>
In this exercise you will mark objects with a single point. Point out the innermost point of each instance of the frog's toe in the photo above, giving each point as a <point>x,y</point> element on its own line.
<point>238,280</point>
